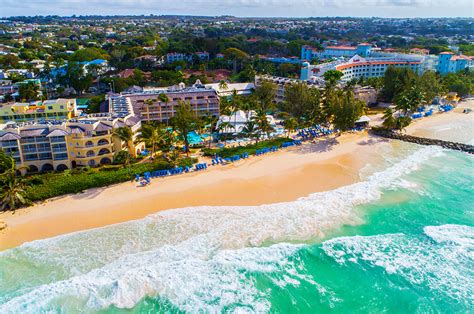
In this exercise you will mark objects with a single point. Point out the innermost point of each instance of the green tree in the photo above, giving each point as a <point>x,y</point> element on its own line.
<point>332,77</point>
<point>461,83</point>
<point>251,130</point>
<point>402,122</point>
<point>301,100</point>
<point>155,136</point>
<point>89,54</point>
<point>183,122</point>
<point>430,84</point>
<point>290,125</point>
<point>389,121</point>
<point>396,80</point>
<point>346,110</point>
<point>223,85</point>
<point>12,185</point>
<point>265,94</point>
<point>237,56</point>
<point>262,122</point>
<point>28,91</point>
<point>125,134</point>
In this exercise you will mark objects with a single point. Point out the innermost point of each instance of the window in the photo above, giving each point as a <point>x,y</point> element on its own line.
<point>50,107</point>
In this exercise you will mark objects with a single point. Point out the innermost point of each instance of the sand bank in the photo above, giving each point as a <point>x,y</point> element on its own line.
<point>277,177</point>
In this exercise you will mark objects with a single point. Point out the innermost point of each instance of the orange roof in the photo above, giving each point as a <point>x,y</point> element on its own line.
<point>348,65</point>
<point>461,57</point>
<point>341,47</point>
<point>446,53</point>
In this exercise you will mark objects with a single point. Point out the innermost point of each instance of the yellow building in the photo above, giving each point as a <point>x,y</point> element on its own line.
<point>55,109</point>
<point>89,141</point>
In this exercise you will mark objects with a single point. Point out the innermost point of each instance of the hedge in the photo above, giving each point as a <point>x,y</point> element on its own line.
<point>44,186</point>
<point>239,150</point>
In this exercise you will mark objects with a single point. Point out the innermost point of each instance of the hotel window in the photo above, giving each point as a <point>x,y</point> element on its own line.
<point>50,107</point>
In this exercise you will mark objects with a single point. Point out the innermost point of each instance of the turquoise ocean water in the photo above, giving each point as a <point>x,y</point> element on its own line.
<point>399,241</point>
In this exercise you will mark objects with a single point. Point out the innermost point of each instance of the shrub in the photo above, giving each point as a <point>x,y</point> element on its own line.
<point>238,150</point>
<point>44,186</point>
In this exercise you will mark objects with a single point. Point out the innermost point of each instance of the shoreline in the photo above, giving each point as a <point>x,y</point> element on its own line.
<point>283,176</point>
<point>277,177</point>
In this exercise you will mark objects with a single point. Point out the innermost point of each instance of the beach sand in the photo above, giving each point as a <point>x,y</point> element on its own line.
<point>440,126</point>
<point>277,177</point>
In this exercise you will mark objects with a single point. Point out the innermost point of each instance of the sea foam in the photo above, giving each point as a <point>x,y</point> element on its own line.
<point>195,257</point>
<point>445,265</point>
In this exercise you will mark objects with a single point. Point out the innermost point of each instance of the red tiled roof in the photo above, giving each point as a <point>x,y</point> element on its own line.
<point>341,47</point>
<point>461,57</point>
<point>348,65</point>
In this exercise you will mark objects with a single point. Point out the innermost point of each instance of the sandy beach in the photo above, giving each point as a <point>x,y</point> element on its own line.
<point>277,177</point>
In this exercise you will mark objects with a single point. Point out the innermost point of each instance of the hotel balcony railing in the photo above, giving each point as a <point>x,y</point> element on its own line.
<point>60,150</point>
<point>29,150</point>
<point>54,140</point>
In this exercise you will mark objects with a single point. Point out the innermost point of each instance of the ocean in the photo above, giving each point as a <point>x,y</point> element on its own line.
<point>400,241</point>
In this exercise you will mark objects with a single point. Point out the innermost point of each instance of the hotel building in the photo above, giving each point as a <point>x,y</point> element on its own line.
<point>149,106</point>
<point>358,67</point>
<point>61,145</point>
<point>309,53</point>
<point>448,62</point>
<point>57,109</point>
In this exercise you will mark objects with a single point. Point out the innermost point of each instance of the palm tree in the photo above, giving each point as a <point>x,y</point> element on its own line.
<point>290,125</point>
<point>250,130</point>
<point>125,134</point>
<point>223,85</point>
<point>13,191</point>
<point>388,120</point>
<point>153,134</point>
<point>262,122</point>
<point>173,157</point>
<point>223,126</point>
<point>12,185</point>
<point>183,122</point>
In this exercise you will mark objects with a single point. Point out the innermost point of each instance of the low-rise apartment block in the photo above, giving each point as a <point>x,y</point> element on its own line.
<point>88,141</point>
<point>55,109</point>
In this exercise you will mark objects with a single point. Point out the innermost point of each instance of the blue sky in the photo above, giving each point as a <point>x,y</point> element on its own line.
<point>291,8</point>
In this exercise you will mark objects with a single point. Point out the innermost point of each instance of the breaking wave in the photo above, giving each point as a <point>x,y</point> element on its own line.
<point>196,257</point>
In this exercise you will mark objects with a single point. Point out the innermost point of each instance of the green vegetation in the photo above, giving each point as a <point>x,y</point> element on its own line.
<point>13,185</point>
<point>239,150</point>
<point>44,186</point>
<point>183,122</point>
<point>408,91</point>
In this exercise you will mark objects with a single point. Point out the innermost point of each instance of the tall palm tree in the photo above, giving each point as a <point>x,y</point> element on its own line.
<point>262,122</point>
<point>13,191</point>
<point>12,185</point>
<point>251,130</point>
<point>388,119</point>
<point>184,121</point>
<point>153,134</point>
<point>125,134</point>
<point>290,125</point>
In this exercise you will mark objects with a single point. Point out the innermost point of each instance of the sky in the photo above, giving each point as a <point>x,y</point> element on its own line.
<point>244,8</point>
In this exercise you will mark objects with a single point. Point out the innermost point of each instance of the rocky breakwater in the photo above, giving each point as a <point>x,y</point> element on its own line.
<point>422,140</point>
